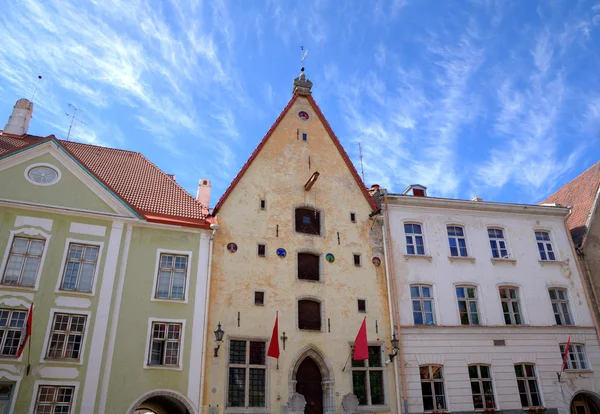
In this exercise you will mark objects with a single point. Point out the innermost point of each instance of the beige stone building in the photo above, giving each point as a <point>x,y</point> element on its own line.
<point>294,238</point>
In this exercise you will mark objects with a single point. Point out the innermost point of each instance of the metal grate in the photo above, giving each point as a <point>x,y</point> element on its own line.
<point>499,342</point>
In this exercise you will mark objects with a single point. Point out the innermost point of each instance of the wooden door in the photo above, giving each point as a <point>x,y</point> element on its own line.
<point>308,383</point>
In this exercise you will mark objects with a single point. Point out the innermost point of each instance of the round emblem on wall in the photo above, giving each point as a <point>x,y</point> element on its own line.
<point>330,257</point>
<point>281,252</point>
<point>42,174</point>
<point>232,247</point>
<point>303,115</point>
<point>376,261</point>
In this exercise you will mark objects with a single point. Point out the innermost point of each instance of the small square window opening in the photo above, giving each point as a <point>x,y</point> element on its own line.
<point>353,217</point>
<point>263,204</point>
<point>259,298</point>
<point>362,305</point>
<point>304,136</point>
<point>357,260</point>
<point>262,250</point>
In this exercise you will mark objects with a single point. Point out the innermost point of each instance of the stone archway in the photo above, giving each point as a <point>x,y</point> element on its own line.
<point>326,371</point>
<point>162,402</point>
<point>585,402</point>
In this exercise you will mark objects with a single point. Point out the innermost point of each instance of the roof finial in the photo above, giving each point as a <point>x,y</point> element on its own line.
<point>301,84</point>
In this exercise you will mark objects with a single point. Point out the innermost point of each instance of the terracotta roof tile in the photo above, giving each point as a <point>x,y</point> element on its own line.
<point>131,176</point>
<point>580,194</point>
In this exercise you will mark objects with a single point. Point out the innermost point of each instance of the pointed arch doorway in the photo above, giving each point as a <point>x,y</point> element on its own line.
<point>308,383</point>
<point>312,376</point>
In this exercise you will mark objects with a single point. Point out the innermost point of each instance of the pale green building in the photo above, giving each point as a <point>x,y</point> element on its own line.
<point>114,256</point>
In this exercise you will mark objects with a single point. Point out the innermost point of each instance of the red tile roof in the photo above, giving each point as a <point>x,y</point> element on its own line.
<point>132,177</point>
<point>262,143</point>
<point>579,193</point>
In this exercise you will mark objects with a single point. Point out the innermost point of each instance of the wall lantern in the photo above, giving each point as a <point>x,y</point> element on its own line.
<point>395,344</point>
<point>219,338</point>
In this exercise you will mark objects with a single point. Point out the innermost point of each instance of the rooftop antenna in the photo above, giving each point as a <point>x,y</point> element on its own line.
<point>303,54</point>
<point>73,118</point>
<point>36,87</point>
<point>362,169</point>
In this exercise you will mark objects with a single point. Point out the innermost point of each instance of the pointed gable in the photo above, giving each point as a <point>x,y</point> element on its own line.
<point>268,135</point>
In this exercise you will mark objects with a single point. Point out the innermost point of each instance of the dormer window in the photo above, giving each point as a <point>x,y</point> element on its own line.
<point>415,190</point>
<point>308,221</point>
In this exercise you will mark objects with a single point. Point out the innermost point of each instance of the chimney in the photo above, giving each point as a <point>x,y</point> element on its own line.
<point>18,123</point>
<point>302,85</point>
<point>204,192</point>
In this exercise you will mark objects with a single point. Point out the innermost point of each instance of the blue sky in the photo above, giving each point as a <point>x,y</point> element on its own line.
<point>497,99</point>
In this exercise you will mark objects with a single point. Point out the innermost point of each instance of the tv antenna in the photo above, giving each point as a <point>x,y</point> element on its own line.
<point>362,169</point>
<point>303,54</point>
<point>36,87</point>
<point>73,118</point>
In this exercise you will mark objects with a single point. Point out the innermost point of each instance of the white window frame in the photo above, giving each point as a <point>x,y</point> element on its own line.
<point>8,328</point>
<point>413,236</point>
<point>432,381</point>
<point>247,366</point>
<point>559,302</point>
<point>187,253</point>
<point>63,265</point>
<point>367,369</point>
<point>464,237</point>
<point>498,240</point>
<point>42,164</point>
<point>468,302</point>
<point>518,299</point>
<point>527,379</point>
<point>480,380</point>
<point>575,365</point>
<point>44,383</point>
<point>421,300</point>
<point>545,244</point>
<point>25,232</point>
<point>48,337</point>
<point>153,320</point>
<point>16,380</point>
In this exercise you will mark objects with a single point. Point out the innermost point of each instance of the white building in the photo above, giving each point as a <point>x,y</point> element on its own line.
<point>486,294</point>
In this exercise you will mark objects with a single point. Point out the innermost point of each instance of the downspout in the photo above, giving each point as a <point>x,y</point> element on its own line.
<point>387,246</point>
<point>214,228</point>
<point>585,278</point>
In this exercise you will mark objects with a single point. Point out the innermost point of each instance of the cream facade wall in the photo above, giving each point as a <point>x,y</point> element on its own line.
<point>454,346</point>
<point>277,175</point>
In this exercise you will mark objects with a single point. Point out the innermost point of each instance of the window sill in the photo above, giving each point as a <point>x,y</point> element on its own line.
<point>61,361</point>
<point>182,301</point>
<point>462,258</point>
<point>553,262</point>
<point>253,410</point>
<point>495,260</point>
<point>417,256</point>
<point>18,287</point>
<point>579,371</point>
<point>73,292</point>
<point>373,409</point>
<point>177,368</point>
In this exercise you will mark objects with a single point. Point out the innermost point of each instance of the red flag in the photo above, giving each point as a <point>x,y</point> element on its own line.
<point>566,353</point>
<point>28,332</point>
<point>361,345</point>
<point>274,345</point>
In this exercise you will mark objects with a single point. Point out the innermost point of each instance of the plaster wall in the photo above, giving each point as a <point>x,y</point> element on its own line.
<point>591,257</point>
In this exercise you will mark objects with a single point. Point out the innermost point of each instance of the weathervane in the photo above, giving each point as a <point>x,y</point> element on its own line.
<point>303,54</point>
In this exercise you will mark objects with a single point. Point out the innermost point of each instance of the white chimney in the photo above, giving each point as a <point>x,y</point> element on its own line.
<point>204,192</point>
<point>18,123</point>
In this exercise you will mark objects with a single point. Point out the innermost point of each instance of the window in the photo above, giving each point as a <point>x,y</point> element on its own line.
<point>560,306</point>
<point>458,243</point>
<point>577,358</point>
<point>481,386</point>
<point>308,221</point>
<point>467,305</point>
<point>165,346</point>
<point>172,274</point>
<point>432,387</point>
<point>367,379</point>
<point>362,305</point>
<point>357,261</point>
<point>498,244</point>
<point>247,374</point>
<point>308,266</point>
<point>544,245</point>
<point>353,217</point>
<point>262,250</point>
<point>12,329</point>
<point>528,387</point>
<point>66,337</point>
<point>422,303</point>
<point>23,262</point>
<point>414,239</point>
<point>54,399</point>
<point>304,136</point>
<point>509,297</point>
<point>263,204</point>
<point>259,298</point>
<point>80,268</point>
<point>309,315</point>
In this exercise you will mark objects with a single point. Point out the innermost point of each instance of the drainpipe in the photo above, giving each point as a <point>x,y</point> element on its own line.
<point>586,278</point>
<point>214,228</point>
<point>394,309</point>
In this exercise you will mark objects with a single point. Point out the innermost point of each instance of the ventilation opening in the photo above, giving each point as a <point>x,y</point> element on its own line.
<point>353,217</point>
<point>263,204</point>
<point>357,260</point>
<point>362,305</point>
<point>259,298</point>
<point>262,250</point>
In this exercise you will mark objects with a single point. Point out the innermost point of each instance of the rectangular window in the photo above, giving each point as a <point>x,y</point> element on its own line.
<point>498,243</point>
<point>457,241</point>
<point>353,217</point>
<point>577,358</point>
<point>165,344</point>
<point>80,268</point>
<point>54,399</point>
<point>308,266</point>
<point>262,250</point>
<point>528,386</point>
<point>414,239</point>
<point>309,315</point>
<point>560,306</point>
<point>12,329</point>
<point>362,305</point>
<point>247,374</point>
<point>23,262</point>
<point>357,260</point>
<point>308,221</point>
<point>467,305</point>
<point>304,136</point>
<point>481,387</point>
<point>544,245</point>
<point>422,303</point>
<point>432,387</point>
<point>263,204</point>
<point>509,297</point>
<point>172,274</point>
<point>259,298</point>
<point>367,379</point>
<point>66,336</point>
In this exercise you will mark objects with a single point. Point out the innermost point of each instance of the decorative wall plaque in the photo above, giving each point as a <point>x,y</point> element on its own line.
<point>232,247</point>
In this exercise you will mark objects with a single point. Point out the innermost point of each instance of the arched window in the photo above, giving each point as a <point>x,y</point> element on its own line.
<point>308,266</point>
<point>309,315</point>
<point>432,387</point>
<point>308,221</point>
